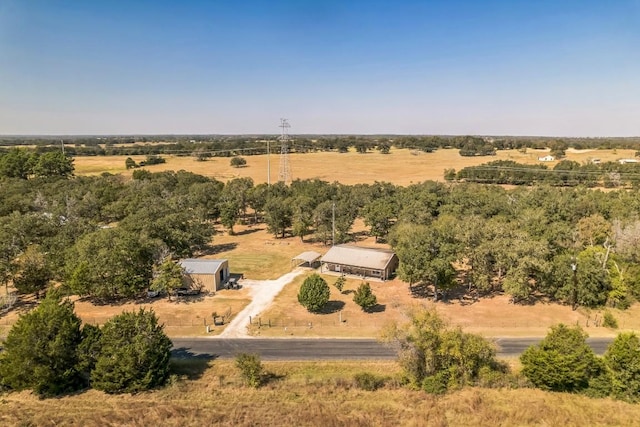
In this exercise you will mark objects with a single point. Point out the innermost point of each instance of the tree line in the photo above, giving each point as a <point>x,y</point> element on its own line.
<point>566,173</point>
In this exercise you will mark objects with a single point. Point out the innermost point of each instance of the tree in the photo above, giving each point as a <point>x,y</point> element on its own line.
<point>40,352</point>
<point>53,163</point>
<point>340,282</point>
<point>167,277</point>
<point>88,351</point>
<point>278,215</point>
<point>130,163</point>
<point>364,297</point>
<point>314,293</point>
<point>33,272</point>
<point>238,162</point>
<point>436,358</point>
<point>16,163</point>
<point>134,354</point>
<point>250,368</point>
<point>379,214</point>
<point>563,361</point>
<point>622,362</point>
<point>109,263</point>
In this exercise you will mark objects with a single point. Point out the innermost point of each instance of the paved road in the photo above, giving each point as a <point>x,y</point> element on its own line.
<point>326,349</point>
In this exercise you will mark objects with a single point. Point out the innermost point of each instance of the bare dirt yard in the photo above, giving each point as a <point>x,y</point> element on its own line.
<point>401,166</point>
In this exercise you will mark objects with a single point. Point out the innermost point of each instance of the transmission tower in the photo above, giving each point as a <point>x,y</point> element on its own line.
<point>285,168</point>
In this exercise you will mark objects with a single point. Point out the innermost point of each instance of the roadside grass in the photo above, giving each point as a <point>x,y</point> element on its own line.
<point>310,394</point>
<point>401,166</point>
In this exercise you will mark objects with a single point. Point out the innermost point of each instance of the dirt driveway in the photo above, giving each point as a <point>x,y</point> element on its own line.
<point>262,294</point>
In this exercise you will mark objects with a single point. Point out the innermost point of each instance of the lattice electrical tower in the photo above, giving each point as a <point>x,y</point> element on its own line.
<point>285,168</point>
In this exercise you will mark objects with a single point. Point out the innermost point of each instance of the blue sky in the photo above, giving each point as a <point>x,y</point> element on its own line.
<point>484,67</point>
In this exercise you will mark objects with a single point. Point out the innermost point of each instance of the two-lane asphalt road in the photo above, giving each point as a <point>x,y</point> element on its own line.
<point>326,349</point>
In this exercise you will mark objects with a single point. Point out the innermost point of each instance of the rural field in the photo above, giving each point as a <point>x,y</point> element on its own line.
<point>259,256</point>
<point>401,167</point>
<point>310,394</point>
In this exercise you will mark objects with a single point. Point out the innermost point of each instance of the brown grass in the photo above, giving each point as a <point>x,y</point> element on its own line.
<point>311,394</point>
<point>401,166</point>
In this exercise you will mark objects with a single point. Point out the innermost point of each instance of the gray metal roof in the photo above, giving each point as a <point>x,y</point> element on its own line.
<point>201,266</point>
<point>309,256</point>
<point>375,259</point>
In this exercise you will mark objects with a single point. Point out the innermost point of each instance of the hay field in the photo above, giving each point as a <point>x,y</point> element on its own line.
<point>401,166</point>
<point>310,394</point>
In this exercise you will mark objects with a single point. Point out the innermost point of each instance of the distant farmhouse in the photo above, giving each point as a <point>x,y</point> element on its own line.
<point>355,260</point>
<point>547,158</point>
<point>208,275</point>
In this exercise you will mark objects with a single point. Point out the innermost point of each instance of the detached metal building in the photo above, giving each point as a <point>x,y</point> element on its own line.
<point>355,260</point>
<point>206,274</point>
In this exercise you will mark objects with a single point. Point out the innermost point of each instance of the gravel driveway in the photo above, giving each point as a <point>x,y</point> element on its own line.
<point>262,294</point>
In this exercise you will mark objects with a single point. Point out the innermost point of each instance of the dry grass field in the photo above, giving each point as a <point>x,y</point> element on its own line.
<point>401,166</point>
<point>310,394</point>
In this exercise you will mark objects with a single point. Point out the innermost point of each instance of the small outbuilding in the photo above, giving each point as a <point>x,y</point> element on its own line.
<point>306,259</point>
<point>547,158</point>
<point>356,260</point>
<point>205,274</point>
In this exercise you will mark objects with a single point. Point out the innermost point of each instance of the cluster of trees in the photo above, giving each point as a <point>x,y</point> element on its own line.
<point>314,293</point>
<point>437,358</point>
<point>22,163</point>
<point>48,351</point>
<point>566,173</point>
<point>564,362</point>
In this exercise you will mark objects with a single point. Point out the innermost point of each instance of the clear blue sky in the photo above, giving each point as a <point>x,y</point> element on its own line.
<point>509,67</point>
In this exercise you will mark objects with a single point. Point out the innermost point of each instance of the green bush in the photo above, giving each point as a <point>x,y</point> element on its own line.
<point>609,320</point>
<point>368,381</point>
<point>251,369</point>
<point>339,284</point>
<point>314,293</point>
<point>364,297</point>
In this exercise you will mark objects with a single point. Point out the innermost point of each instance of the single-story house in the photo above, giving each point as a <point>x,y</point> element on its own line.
<point>547,158</point>
<point>205,274</point>
<point>306,259</point>
<point>356,260</point>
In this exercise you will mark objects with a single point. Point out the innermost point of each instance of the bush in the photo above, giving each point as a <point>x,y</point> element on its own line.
<point>368,381</point>
<point>314,293</point>
<point>563,361</point>
<point>339,284</point>
<point>622,362</point>
<point>609,321</point>
<point>238,162</point>
<point>134,354</point>
<point>250,369</point>
<point>364,297</point>
<point>40,352</point>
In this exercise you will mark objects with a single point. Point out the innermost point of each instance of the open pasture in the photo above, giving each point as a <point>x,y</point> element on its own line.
<point>401,166</point>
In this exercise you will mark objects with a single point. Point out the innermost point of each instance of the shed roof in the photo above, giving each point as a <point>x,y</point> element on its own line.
<point>309,256</point>
<point>375,259</point>
<point>201,266</point>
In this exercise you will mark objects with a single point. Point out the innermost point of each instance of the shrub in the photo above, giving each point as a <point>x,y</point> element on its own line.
<point>40,352</point>
<point>250,369</point>
<point>622,361</point>
<point>364,297</point>
<point>368,381</point>
<point>134,354</point>
<point>238,162</point>
<point>609,320</point>
<point>339,284</point>
<point>563,361</point>
<point>314,293</point>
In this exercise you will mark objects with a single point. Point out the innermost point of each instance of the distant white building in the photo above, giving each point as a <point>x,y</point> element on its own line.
<point>625,161</point>
<point>547,158</point>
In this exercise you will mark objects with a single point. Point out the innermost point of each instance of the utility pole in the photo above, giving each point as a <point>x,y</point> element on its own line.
<point>333,224</point>
<point>574,291</point>
<point>285,168</point>
<point>268,163</point>
<point>62,143</point>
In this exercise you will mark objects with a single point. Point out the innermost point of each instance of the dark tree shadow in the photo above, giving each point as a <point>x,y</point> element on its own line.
<point>188,299</point>
<point>420,290</point>
<point>216,249</point>
<point>270,377</point>
<point>20,306</point>
<point>332,307</point>
<point>248,231</point>
<point>188,364</point>
<point>348,291</point>
<point>378,308</point>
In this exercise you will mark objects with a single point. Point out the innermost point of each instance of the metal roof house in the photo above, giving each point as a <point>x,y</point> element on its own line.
<point>365,262</point>
<point>205,274</point>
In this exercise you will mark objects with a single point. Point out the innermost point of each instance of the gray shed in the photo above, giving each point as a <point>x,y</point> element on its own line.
<point>356,260</point>
<point>206,274</point>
